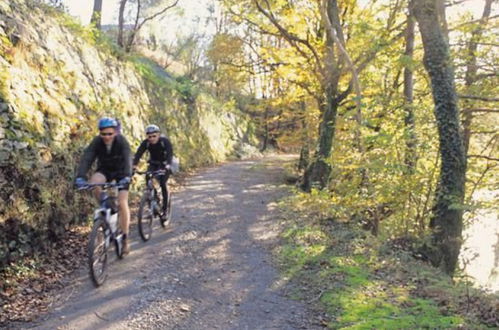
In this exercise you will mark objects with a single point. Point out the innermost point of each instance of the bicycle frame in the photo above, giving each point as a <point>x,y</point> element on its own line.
<point>150,175</point>
<point>104,211</point>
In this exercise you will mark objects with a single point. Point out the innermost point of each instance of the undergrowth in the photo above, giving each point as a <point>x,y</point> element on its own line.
<point>364,283</point>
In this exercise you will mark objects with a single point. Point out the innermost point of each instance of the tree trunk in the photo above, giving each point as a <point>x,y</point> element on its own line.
<point>135,29</point>
<point>411,139</point>
<point>319,171</point>
<point>305,149</point>
<point>121,23</point>
<point>442,18</point>
<point>447,220</point>
<point>472,69</point>
<point>266,128</point>
<point>97,14</point>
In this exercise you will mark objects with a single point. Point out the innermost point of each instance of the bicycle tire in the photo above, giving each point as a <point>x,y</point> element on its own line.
<point>118,246</point>
<point>165,220</point>
<point>145,218</point>
<point>98,275</point>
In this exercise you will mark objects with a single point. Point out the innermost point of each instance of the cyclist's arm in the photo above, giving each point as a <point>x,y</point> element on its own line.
<point>87,159</point>
<point>140,151</point>
<point>127,156</point>
<point>169,151</point>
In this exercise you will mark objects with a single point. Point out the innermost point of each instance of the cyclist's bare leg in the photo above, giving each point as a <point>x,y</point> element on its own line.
<point>97,178</point>
<point>124,211</point>
<point>164,191</point>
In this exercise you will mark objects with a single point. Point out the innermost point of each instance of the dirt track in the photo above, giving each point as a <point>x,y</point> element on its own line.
<point>211,270</point>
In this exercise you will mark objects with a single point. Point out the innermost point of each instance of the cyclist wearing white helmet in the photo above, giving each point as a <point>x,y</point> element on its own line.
<point>160,157</point>
<point>113,155</point>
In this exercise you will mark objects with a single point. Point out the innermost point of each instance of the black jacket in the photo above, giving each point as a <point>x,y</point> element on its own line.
<point>117,160</point>
<point>160,152</point>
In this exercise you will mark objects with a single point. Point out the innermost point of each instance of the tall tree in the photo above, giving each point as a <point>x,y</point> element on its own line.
<point>447,219</point>
<point>318,172</point>
<point>121,23</point>
<point>138,22</point>
<point>411,140</point>
<point>472,67</point>
<point>322,45</point>
<point>97,14</point>
<point>328,68</point>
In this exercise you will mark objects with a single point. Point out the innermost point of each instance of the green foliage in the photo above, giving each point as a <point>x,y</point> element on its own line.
<point>4,84</point>
<point>187,89</point>
<point>147,69</point>
<point>158,78</point>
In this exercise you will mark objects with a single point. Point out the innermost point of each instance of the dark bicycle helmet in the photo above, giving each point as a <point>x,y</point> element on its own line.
<point>107,122</point>
<point>152,129</point>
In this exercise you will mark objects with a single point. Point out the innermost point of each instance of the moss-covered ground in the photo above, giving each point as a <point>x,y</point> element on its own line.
<point>361,282</point>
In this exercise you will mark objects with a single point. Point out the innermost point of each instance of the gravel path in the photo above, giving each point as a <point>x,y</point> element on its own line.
<point>210,270</point>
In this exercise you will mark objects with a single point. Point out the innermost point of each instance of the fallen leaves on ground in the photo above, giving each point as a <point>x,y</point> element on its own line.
<point>25,295</point>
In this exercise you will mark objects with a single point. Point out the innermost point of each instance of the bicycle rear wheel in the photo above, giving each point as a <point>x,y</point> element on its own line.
<point>97,253</point>
<point>145,217</point>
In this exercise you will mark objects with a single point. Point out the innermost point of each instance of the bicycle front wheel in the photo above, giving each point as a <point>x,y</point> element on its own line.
<point>97,252</point>
<point>167,217</point>
<point>145,217</point>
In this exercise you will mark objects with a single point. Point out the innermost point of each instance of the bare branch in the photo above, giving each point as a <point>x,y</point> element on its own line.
<point>481,98</point>
<point>484,157</point>
<point>249,67</point>
<point>478,20</point>
<point>307,88</point>
<point>484,132</point>
<point>341,47</point>
<point>476,43</point>
<point>138,26</point>
<point>161,12</point>
<point>290,37</point>
<point>374,51</point>
<point>479,110</point>
<point>253,24</point>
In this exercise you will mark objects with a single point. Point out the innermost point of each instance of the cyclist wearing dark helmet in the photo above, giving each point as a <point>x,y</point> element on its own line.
<point>160,157</point>
<point>113,155</point>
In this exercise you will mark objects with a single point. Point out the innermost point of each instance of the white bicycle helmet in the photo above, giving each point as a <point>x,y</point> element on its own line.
<point>152,129</point>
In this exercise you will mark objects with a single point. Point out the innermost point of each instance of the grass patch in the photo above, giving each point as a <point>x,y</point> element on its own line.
<point>362,284</point>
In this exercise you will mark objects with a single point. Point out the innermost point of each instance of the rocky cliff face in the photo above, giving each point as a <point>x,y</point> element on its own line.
<point>56,79</point>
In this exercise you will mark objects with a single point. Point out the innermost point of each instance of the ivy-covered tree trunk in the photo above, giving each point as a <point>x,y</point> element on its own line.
<point>319,170</point>
<point>446,222</point>
<point>97,14</point>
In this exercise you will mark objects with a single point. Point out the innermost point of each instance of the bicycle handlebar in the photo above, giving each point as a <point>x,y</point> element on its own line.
<point>157,172</point>
<point>106,185</point>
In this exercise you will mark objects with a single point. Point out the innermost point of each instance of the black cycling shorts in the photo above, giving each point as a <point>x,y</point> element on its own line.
<point>110,176</point>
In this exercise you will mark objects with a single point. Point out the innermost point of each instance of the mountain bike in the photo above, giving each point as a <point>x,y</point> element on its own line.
<point>150,205</point>
<point>105,231</point>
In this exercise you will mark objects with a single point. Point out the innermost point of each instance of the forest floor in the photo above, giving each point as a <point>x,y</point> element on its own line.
<point>211,269</point>
<point>245,251</point>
